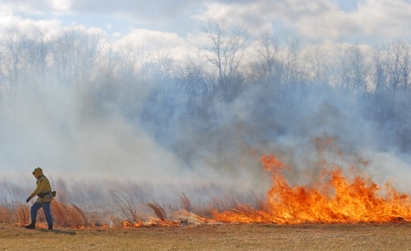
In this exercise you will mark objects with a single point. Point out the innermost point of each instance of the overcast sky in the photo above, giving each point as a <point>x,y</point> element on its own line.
<point>360,22</point>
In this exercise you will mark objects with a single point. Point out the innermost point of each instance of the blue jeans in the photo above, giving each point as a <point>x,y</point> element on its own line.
<point>46,208</point>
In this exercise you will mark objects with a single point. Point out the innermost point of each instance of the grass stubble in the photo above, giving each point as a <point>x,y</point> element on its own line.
<point>389,236</point>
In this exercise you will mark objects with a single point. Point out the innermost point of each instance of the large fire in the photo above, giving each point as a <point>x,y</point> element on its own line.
<point>333,200</point>
<point>334,197</point>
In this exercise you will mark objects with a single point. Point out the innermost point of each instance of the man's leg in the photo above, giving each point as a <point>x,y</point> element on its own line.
<point>33,214</point>
<point>47,213</point>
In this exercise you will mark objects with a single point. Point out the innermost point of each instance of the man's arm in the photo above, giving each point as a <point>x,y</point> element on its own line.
<point>40,186</point>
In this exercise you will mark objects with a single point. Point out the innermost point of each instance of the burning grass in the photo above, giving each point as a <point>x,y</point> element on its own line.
<point>334,197</point>
<point>288,218</point>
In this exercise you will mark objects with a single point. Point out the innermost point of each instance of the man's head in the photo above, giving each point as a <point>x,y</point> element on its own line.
<point>38,172</point>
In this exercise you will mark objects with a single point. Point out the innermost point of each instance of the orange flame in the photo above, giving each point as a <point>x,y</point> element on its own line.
<point>128,224</point>
<point>337,200</point>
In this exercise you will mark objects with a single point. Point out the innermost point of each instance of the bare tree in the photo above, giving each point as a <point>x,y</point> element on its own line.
<point>75,53</point>
<point>399,71</point>
<point>317,66</point>
<point>134,62</point>
<point>354,70</point>
<point>106,58</point>
<point>292,71</point>
<point>268,66</point>
<point>197,85</point>
<point>36,51</point>
<point>13,45</point>
<point>379,71</point>
<point>225,51</point>
<point>23,58</point>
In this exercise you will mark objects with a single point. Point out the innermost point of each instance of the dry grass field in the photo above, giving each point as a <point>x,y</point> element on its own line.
<point>393,236</point>
<point>289,218</point>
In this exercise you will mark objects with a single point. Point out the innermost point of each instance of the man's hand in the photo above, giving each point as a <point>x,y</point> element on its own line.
<point>28,199</point>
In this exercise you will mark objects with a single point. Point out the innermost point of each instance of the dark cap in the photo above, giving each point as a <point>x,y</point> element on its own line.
<point>37,169</point>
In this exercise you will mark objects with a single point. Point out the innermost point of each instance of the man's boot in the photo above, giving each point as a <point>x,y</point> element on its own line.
<point>32,225</point>
<point>50,227</point>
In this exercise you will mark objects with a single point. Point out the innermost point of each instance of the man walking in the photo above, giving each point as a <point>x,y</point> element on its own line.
<point>44,197</point>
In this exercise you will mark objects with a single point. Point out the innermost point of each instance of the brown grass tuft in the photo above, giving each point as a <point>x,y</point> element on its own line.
<point>185,202</point>
<point>4,215</point>
<point>158,210</point>
<point>67,215</point>
<point>23,213</point>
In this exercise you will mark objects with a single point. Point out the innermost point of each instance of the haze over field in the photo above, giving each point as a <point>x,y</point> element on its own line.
<point>200,90</point>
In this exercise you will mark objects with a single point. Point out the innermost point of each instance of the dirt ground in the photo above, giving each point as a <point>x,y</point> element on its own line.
<point>395,236</point>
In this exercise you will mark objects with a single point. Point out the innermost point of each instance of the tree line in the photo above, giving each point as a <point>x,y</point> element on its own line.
<point>154,89</point>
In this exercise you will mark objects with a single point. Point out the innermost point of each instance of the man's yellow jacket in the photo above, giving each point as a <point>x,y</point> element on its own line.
<point>43,187</point>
